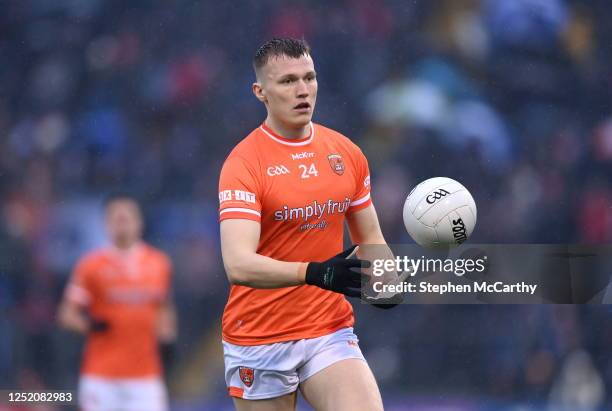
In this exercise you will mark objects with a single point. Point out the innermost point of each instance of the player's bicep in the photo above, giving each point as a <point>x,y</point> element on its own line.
<point>79,290</point>
<point>239,241</point>
<point>78,294</point>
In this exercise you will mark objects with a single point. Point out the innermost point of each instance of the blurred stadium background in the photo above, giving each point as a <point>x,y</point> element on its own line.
<point>510,97</point>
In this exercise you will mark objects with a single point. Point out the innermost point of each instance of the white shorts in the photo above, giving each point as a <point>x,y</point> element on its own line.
<point>122,394</point>
<point>267,371</point>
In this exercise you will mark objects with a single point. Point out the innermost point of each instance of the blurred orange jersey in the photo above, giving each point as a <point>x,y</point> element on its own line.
<point>299,191</point>
<point>126,289</point>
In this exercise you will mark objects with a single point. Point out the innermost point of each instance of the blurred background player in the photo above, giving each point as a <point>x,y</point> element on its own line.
<point>119,296</point>
<point>285,192</point>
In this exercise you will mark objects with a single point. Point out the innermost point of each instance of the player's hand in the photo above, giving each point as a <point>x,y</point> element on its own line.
<point>167,352</point>
<point>337,274</point>
<point>97,325</point>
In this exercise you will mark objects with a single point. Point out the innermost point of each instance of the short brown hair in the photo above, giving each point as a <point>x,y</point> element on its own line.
<point>120,195</point>
<point>289,47</point>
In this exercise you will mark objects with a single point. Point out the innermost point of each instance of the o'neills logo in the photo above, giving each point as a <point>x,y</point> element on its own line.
<point>315,209</point>
<point>459,231</point>
<point>336,163</point>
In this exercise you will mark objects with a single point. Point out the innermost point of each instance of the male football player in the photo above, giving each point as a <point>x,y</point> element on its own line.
<point>285,192</point>
<point>118,296</point>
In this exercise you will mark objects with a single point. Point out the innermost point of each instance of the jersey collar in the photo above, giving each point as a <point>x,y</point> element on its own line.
<point>125,254</point>
<point>288,141</point>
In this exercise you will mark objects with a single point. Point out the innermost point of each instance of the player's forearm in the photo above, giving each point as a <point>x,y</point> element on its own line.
<point>72,319</point>
<point>258,271</point>
<point>167,326</point>
<point>364,227</point>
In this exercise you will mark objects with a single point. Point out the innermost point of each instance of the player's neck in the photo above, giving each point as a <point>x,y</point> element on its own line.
<point>125,247</point>
<point>287,132</point>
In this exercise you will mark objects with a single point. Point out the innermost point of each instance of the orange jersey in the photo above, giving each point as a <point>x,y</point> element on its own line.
<point>126,290</point>
<point>299,191</point>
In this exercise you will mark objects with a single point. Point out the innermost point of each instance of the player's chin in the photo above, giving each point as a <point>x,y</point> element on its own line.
<point>301,119</point>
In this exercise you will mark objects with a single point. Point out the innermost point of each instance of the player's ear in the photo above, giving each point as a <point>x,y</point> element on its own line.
<point>259,92</point>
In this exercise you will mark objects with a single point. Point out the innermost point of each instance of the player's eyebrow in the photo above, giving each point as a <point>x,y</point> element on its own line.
<point>293,76</point>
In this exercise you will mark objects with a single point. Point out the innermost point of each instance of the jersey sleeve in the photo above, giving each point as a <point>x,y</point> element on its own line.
<point>239,193</point>
<point>80,288</point>
<point>361,199</point>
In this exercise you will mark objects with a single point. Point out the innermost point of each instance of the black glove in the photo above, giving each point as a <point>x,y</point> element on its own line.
<point>97,325</point>
<point>388,303</point>
<point>336,275</point>
<point>167,351</point>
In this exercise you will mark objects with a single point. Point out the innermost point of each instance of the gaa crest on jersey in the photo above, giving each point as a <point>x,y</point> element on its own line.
<point>247,375</point>
<point>336,163</point>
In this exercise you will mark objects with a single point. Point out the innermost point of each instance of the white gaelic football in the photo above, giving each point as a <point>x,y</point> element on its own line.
<point>439,213</point>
